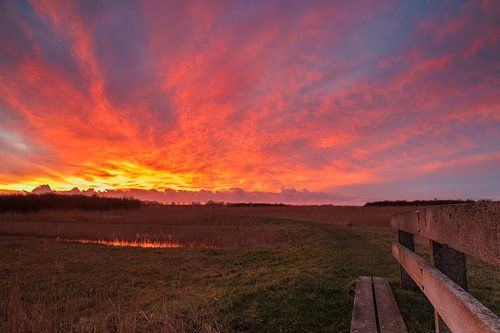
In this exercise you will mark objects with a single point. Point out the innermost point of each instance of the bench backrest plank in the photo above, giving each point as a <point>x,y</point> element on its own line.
<point>363,312</point>
<point>470,228</point>
<point>461,312</point>
<point>389,316</point>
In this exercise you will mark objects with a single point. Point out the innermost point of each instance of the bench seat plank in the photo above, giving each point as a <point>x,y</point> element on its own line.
<point>389,316</point>
<point>363,312</point>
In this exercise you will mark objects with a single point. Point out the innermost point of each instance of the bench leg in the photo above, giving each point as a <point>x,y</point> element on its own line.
<point>407,240</point>
<point>452,263</point>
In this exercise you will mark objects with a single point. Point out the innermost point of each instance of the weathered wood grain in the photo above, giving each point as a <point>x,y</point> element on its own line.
<point>470,228</point>
<point>461,312</point>
<point>363,312</point>
<point>389,316</point>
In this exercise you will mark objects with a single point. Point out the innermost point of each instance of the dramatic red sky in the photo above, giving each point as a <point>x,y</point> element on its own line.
<point>317,101</point>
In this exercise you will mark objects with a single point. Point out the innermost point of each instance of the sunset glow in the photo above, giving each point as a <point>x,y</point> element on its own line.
<point>319,101</point>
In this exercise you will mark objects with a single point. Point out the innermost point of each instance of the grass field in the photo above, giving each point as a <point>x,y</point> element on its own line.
<point>264,274</point>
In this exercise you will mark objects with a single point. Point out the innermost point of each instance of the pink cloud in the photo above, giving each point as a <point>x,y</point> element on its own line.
<point>215,96</point>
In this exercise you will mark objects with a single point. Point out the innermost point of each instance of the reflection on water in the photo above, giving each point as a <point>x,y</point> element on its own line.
<point>145,243</point>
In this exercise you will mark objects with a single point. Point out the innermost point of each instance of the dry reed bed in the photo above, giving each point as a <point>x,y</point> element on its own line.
<point>216,215</point>
<point>203,225</point>
<point>200,225</point>
<point>220,236</point>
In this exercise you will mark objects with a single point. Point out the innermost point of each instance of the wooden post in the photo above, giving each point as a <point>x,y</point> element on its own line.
<point>407,240</point>
<point>452,263</point>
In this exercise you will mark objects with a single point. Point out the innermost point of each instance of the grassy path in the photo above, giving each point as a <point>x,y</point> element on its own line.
<point>317,291</point>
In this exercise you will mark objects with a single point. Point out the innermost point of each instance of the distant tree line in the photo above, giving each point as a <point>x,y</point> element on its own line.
<point>434,202</point>
<point>36,202</point>
<point>255,204</point>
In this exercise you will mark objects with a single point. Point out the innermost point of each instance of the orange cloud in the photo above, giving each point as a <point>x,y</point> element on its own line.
<point>216,96</point>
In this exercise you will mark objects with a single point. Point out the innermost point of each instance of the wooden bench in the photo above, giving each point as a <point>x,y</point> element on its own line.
<point>375,309</point>
<point>454,232</point>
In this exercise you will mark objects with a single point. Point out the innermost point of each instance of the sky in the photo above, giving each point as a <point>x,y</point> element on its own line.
<point>280,101</point>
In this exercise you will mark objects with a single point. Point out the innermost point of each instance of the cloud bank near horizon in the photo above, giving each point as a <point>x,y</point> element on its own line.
<point>235,195</point>
<point>371,100</point>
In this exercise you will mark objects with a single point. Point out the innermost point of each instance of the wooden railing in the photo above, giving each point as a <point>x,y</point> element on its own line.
<point>454,231</point>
